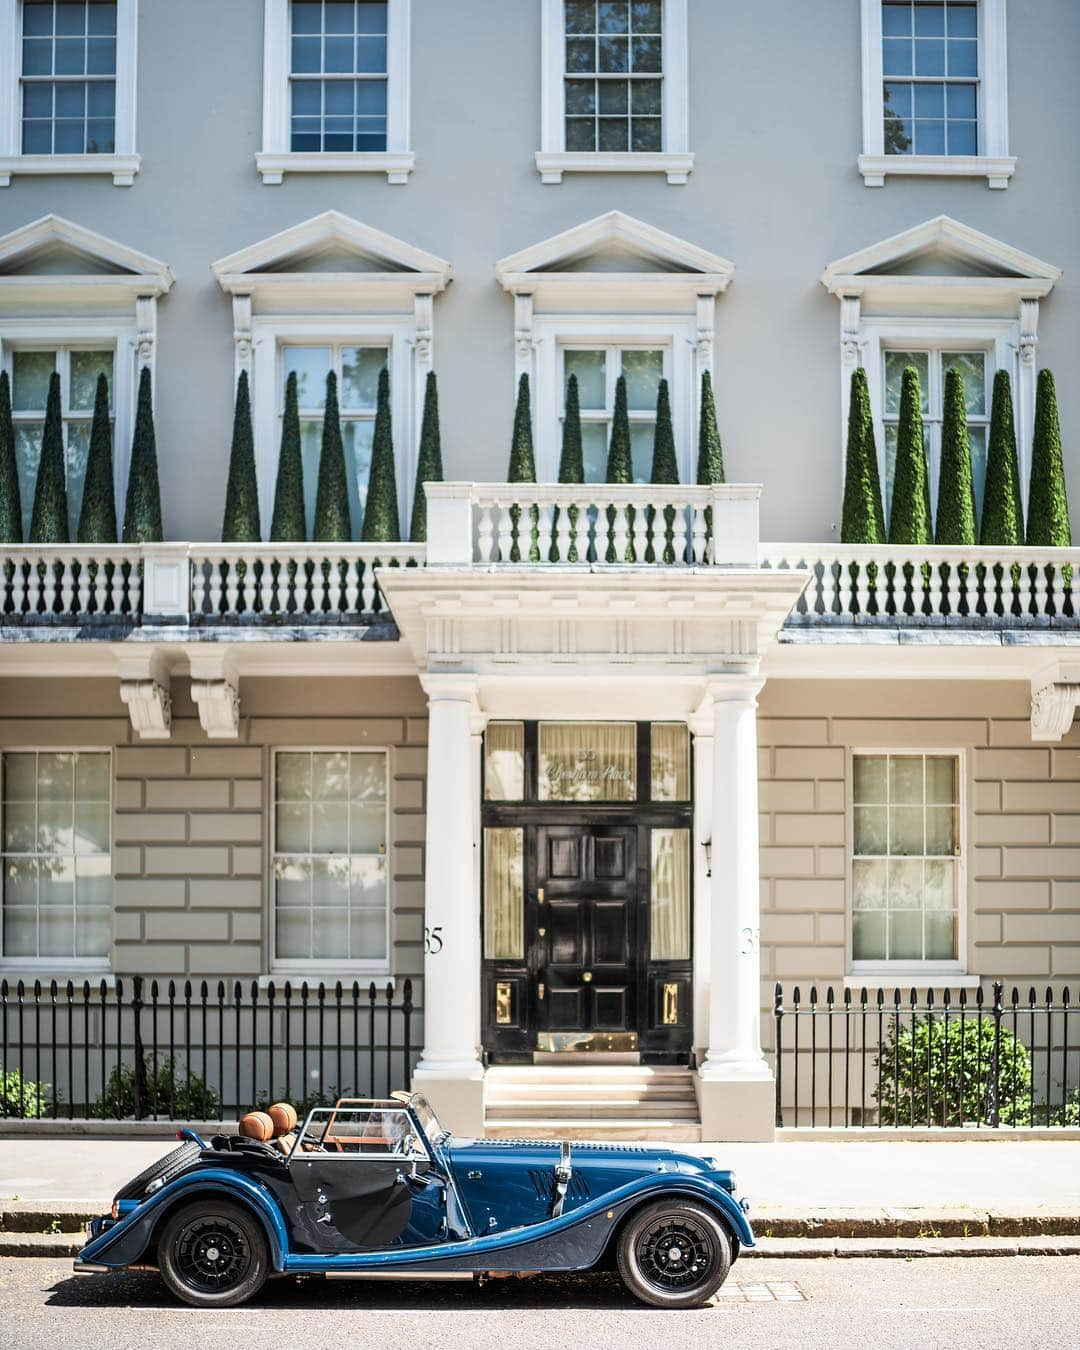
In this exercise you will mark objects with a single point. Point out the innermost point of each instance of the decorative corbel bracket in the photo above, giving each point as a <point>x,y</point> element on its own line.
<point>215,691</point>
<point>1055,697</point>
<point>144,687</point>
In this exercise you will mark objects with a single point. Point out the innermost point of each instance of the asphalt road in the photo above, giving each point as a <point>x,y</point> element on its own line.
<point>1013,1303</point>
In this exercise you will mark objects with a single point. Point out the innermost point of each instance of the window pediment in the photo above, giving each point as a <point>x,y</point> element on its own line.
<point>57,255</point>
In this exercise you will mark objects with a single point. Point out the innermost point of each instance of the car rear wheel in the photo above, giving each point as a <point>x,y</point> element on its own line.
<point>213,1254</point>
<point>674,1254</point>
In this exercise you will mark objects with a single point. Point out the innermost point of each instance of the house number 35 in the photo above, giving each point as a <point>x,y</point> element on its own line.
<point>748,941</point>
<point>433,943</point>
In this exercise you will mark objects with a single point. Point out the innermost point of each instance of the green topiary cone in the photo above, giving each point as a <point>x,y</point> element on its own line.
<point>332,523</point>
<point>956,488</point>
<point>97,519</point>
<point>142,509</point>
<point>289,525</point>
<point>241,523</point>
<point>429,467</point>
<point>1003,510</point>
<point>665,470</point>
<point>49,520</point>
<point>1048,505</point>
<point>381,519</point>
<point>863,520</point>
<point>11,524</point>
<point>909,519</point>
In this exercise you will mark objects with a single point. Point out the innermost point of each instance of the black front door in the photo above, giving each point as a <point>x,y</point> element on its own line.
<point>584,929</point>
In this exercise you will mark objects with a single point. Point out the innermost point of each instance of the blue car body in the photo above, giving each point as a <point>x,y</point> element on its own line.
<point>481,1205</point>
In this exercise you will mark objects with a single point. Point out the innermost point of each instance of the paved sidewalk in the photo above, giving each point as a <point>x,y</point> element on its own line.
<point>1029,1177</point>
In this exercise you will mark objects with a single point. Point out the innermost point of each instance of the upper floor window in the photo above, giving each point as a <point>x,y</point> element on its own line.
<point>906,858</point>
<point>933,364</point>
<point>598,370</point>
<point>32,369</point>
<point>336,88</point>
<point>614,88</point>
<point>338,75</point>
<point>614,68</point>
<point>357,371</point>
<point>934,94</point>
<point>57,881</point>
<point>71,104</point>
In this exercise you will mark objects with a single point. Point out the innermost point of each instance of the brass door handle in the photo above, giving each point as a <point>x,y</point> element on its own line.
<point>540,990</point>
<point>587,977</point>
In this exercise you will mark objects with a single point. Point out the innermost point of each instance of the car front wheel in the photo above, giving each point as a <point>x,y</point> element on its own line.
<point>674,1255</point>
<point>213,1254</point>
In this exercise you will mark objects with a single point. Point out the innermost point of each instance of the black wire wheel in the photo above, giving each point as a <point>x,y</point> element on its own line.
<point>674,1254</point>
<point>213,1254</point>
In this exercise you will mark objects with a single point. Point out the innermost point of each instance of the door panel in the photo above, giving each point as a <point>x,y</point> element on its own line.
<point>609,923</point>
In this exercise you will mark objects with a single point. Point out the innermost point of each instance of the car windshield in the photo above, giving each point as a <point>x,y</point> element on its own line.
<point>429,1121</point>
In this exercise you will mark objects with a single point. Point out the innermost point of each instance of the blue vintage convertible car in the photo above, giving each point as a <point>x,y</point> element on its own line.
<point>379,1188</point>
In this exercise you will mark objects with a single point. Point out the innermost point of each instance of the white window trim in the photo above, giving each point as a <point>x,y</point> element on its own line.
<point>995,164</point>
<point>275,159</point>
<point>675,160</point>
<point>122,335</point>
<point>396,332</point>
<point>305,969</point>
<point>70,967</point>
<point>676,336</point>
<point>889,974</point>
<point>124,163</point>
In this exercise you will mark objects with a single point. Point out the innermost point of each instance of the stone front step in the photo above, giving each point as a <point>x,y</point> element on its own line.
<point>636,1130</point>
<point>596,1101</point>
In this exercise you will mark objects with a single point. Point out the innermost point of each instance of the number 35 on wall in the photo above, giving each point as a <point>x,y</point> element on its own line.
<point>748,941</point>
<point>433,943</point>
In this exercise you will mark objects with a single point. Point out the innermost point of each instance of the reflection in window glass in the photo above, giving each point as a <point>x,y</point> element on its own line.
<point>338,76</point>
<point>504,762</point>
<point>906,849</point>
<point>504,894</point>
<point>329,864</point>
<point>597,371</point>
<point>588,761</point>
<point>612,88</point>
<point>670,896</point>
<point>57,866</point>
<point>68,77</point>
<point>930,61</point>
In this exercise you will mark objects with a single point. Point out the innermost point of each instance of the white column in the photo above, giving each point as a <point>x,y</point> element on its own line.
<point>734,961</point>
<point>701,728</point>
<point>451,896</point>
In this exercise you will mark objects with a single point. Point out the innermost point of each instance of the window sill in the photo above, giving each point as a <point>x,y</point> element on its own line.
<point>122,167</point>
<point>552,164</point>
<point>46,972</point>
<point>330,978</point>
<point>396,164</point>
<point>997,170</point>
<point>909,977</point>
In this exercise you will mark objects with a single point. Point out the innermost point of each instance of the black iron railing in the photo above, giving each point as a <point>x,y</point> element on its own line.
<point>927,1060</point>
<point>178,1050</point>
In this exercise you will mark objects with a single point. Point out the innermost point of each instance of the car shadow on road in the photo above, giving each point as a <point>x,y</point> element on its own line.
<point>145,1289</point>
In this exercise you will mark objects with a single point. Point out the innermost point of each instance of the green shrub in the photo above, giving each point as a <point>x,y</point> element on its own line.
<point>326,1097</point>
<point>97,518</point>
<point>909,518</point>
<point>289,524</point>
<point>189,1097</point>
<point>620,468</point>
<point>49,520</point>
<point>710,463</point>
<point>23,1099</point>
<point>863,520</point>
<point>381,519</point>
<point>665,470</point>
<point>11,522</point>
<point>956,486</point>
<point>429,468</point>
<point>1003,509</point>
<point>522,468</point>
<point>949,1069</point>
<point>241,524</point>
<point>1048,504</point>
<point>142,510</point>
<point>332,523</point>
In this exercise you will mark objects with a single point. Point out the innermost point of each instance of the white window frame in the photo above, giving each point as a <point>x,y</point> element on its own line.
<point>910,974</point>
<point>63,965</point>
<point>676,336</point>
<point>307,967</point>
<point>123,164</point>
<point>271,334</point>
<point>674,161</point>
<point>276,158</point>
<point>994,163</point>
<point>87,335</point>
<point>999,338</point>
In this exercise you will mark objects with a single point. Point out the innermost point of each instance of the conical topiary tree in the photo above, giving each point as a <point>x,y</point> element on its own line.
<point>909,519</point>
<point>571,466</point>
<point>1048,505</point>
<point>332,524</point>
<point>710,463</point>
<point>863,520</point>
<point>142,508</point>
<point>289,524</point>
<point>1003,510</point>
<point>429,467</point>
<point>665,470</point>
<point>955,522</point>
<point>49,519</point>
<point>381,519</point>
<point>97,519</point>
<point>522,467</point>
<point>620,467</point>
<point>241,524</point>
<point>11,524</point>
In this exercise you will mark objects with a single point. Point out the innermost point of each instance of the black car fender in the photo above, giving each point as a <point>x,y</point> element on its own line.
<point>125,1242</point>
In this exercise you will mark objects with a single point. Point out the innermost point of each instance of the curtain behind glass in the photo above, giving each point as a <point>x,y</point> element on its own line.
<point>504,894</point>
<point>588,762</point>
<point>670,895</point>
<point>670,762</point>
<point>504,762</point>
